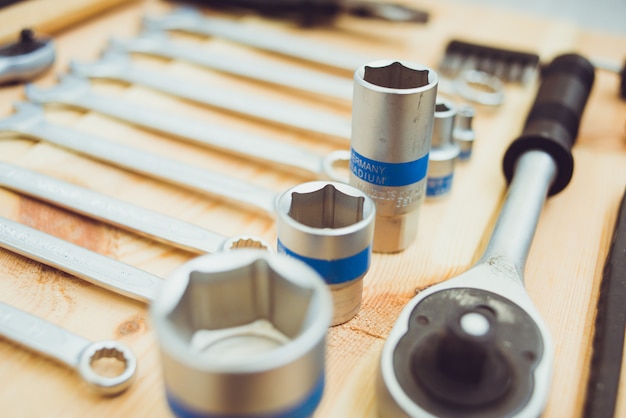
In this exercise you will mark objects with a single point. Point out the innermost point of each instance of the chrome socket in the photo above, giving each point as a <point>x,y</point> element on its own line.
<point>463,133</point>
<point>329,226</point>
<point>443,152</point>
<point>243,333</point>
<point>392,122</point>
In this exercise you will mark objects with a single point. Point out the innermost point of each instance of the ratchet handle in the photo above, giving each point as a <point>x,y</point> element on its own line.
<point>553,121</point>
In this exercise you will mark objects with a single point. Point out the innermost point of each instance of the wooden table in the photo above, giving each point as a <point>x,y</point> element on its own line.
<point>563,269</point>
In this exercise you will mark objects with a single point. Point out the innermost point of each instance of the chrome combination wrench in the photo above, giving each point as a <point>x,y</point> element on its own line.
<point>117,66</point>
<point>76,92</point>
<point>475,345</point>
<point>191,20</point>
<point>70,349</point>
<point>121,214</point>
<point>284,75</point>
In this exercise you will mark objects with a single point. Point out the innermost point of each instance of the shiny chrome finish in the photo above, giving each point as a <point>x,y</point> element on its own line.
<point>189,20</point>
<point>117,66</point>
<point>499,273</point>
<point>392,122</point>
<point>330,226</point>
<point>78,261</point>
<point>76,92</point>
<point>443,152</point>
<point>284,75</point>
<point>70,349</point>
<point>124,215</point>
<point>463,133</point>
<point>29,121</point>
<point>243,334</point>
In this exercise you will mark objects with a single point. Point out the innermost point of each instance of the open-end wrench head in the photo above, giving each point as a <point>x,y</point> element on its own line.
<point>515,373</point>
<point>112,63</point>
<point>68,88</point>
<point>179,18</point>
<point>25,114</point>
<point>147,42</point>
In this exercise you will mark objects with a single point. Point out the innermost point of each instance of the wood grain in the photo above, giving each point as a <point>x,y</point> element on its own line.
<point>563,270</point>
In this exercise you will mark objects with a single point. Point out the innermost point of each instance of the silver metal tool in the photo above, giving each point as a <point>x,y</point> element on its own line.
<point>475,345</point>
<point>473,85</point>
<point>463,133</point>
<point>243,335</point>
<point>121,214</point>
<point>392,122</point>
<point>330,227</point>
<point>443,151</point>
<point>76,92</point>
<point>296,78</point>
<point>117,66</point>
<point>240,332</point>
<point>25,59</point>
<point>191,20</point>
<point>30,121</point>
<point>70,349</point>
<point>102,271</point>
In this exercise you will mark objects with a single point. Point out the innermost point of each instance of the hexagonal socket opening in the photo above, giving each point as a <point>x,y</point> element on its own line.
<point>249,310</point>
<point>327,207</point>
<point>396,76</point>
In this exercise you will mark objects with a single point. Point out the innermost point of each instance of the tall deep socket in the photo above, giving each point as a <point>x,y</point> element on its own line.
<point>392,121</point>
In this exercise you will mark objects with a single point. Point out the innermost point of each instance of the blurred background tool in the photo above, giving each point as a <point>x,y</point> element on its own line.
<point>26,58</point>
<point>508,65</point>
<point>322,12</point>
<point>608,339</point>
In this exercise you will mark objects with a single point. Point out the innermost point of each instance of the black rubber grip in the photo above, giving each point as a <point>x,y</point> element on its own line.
<point>552,123</point>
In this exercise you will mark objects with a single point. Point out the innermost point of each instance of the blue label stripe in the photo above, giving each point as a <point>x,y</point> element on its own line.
<point>335,271</point>
<point>437,186</point>
<point>302,410</point>
<point>388,174</point>
<point>464,155</point>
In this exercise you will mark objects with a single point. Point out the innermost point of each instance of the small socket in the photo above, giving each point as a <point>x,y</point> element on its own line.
<point>443,153</point>
<point>330,227</point>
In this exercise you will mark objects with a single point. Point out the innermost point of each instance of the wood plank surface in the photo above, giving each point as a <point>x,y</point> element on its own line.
<point>563,270</point>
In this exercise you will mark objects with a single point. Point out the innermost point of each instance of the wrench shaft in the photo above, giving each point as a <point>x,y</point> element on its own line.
<point>41,336</point>
<point>154,166</point>
<point>77,261</point>
<point>113,211</point>
<point>518,219</point>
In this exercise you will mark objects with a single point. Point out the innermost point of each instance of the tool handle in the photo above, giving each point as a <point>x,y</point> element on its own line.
<point>553,121</point>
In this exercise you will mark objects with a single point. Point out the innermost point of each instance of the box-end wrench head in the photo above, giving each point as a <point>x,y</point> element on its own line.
<point>243,334</point>
<point>116,65</point>
<point>70,349</point>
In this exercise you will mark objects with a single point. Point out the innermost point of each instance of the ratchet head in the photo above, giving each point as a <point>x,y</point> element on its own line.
<point>25,114</point>
<point>99,351</point>
<point>25,59</point>
<point>68,88</point>
<point>474,346</point>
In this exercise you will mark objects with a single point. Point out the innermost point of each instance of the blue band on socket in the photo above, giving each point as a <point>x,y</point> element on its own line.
<point>302,410</point>
<point>437,186</point>
<point>388,174</point>
<point>335,271</point>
